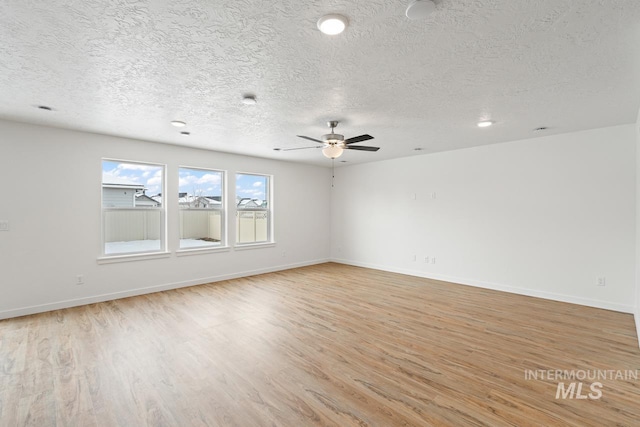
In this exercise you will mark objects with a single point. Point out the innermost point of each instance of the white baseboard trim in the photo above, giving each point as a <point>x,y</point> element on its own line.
<point>24,311</point>
<point>498,287</point>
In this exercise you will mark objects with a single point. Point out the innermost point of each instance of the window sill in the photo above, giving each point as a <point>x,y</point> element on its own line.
<point>110,259</point>
<point>199,251</point>
<point>254,246</point>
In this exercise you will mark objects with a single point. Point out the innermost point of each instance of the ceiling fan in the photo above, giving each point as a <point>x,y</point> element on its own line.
<point>333,144</point>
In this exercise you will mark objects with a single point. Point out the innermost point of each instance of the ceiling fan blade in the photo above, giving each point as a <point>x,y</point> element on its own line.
<point>300,148</point>
<point>360,138</point>
<point>310,139</point>
<point>361,148</point>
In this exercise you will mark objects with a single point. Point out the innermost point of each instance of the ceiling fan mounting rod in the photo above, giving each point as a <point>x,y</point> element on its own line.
<point>333,124</point>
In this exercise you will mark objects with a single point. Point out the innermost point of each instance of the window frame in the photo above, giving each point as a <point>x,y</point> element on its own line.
<point>269,210</point>
<point>162,209</point>
<point>223,246</point>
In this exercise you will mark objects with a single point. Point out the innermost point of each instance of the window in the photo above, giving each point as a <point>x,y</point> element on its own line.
<point>133,215</point>
<point>253,203</point>
<point>201,202</point>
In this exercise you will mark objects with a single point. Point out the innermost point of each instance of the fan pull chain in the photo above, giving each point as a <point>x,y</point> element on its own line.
<point>333,174</point>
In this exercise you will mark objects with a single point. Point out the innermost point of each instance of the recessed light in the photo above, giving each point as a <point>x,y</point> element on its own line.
<point>332,24</point>
<point>277,149</point>
<point>178,124</point>
<point>418,149</point>
<point>44,107</point>
<point>540,129</point>
<point>420,9</point>
<point>185,133</point>
<point>249,100</point>
<point>344,161</point>
<point>485,123</point>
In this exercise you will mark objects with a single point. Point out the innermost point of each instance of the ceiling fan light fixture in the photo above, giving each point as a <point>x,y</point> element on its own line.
<point>332,151</point>
<point>178,123</point>
<point>332,24</point>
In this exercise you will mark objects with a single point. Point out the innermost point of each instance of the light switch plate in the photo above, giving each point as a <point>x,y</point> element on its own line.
<point>4,225</point>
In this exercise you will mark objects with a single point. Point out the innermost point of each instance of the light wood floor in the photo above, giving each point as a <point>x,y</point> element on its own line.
<point>328,345</point>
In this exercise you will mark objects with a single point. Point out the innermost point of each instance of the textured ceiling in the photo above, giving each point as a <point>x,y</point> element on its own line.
<point>129,67</point>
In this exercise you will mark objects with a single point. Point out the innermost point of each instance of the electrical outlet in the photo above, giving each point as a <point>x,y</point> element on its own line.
<point>284,254</point>
<point>414,258</point>
<point>433,195</point>
<point>426,260</point>
<point>433,260</point>
<point>601,281</point>
<point>79,279</point>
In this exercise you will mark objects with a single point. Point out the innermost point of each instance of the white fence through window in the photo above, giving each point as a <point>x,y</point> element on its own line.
<point>252,226</point>
<point>127,225</point>
<point>124,225</point>
<point>201,224</point>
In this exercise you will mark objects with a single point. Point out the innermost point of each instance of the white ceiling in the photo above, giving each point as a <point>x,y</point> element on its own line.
<point>129,67</point>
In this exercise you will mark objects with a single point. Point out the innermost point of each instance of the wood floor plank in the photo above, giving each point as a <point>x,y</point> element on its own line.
<point>326,345</point>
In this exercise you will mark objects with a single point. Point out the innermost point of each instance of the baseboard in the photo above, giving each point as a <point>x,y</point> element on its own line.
<point>498,287</point>
<point>34,309</point>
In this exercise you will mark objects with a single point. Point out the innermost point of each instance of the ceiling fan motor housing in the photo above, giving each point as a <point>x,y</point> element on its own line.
<point>332,138</point>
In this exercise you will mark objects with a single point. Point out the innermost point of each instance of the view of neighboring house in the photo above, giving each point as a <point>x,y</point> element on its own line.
<point>142,200</point>
<point>127,195</point>
<point>120,195</point>
<point>248,203</point>
<point>188,201</point>
<point>130,195</point>
<point>203,202</point>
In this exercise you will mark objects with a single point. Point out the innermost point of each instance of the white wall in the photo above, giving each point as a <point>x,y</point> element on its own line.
<point>53,237</point>
<point>637,254</point>
<point>543,217</point>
